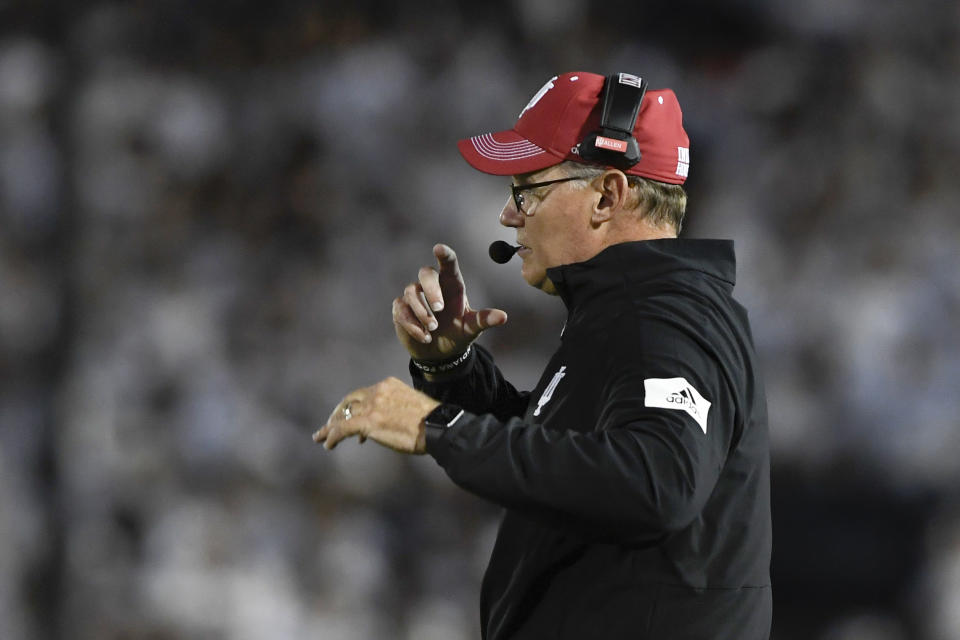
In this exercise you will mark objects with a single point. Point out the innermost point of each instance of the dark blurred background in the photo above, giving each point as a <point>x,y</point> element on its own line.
<point>206,209</point>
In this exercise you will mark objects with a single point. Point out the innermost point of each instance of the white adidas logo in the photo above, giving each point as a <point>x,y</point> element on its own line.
<point>676,393</point>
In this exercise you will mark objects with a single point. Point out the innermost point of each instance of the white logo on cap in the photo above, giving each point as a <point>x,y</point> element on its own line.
<point>633,81</point>
<point>683,161</point>
<point>536,98</point>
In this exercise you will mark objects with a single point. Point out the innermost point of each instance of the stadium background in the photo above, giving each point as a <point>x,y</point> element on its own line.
<point>207,207</point>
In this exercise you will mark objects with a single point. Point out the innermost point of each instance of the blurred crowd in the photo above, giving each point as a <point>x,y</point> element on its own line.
<point>206,209</point>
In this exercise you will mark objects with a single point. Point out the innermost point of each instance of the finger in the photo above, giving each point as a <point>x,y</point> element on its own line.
<point>341,431</point>
<point>404,318</point>
<point>335,416</point>
<point>331,439</point>
<point>447,259</point>
<point>321,435</point>
<point>352,402</point>
<point>430,282</point>
<point>432,324</point>
<point>477,321</point>
<point>413,297</point>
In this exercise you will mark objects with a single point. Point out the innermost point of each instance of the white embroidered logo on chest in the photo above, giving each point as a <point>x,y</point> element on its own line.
<point>548,392</point>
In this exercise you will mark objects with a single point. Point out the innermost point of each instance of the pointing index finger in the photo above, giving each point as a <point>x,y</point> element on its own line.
<point>447,259</point>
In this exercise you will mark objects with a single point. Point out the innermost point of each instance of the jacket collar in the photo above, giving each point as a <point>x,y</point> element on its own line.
<point>633,263</point>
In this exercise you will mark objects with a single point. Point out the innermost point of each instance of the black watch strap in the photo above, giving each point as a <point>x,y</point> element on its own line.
<point>444,416</point>
<point>441,419</point>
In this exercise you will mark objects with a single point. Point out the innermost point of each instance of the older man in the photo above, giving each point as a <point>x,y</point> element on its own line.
<point>635,476</point>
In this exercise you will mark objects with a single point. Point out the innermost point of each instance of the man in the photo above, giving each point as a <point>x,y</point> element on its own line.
<point>635,476</point>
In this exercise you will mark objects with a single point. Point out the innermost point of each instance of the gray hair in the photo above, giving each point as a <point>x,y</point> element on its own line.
<point>661,203</point>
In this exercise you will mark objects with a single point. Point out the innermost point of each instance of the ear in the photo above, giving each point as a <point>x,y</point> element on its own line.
<point>614,190</point>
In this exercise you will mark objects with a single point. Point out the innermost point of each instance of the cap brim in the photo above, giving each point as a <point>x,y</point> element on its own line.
<point>505,153</point>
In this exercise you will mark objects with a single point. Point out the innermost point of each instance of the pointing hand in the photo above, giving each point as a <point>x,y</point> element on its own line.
<point>433,319</point>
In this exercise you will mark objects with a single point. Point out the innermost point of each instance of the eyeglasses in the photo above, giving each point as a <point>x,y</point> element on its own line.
<point>518,189</point>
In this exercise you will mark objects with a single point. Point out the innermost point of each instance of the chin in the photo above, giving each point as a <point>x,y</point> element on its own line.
<point>541,282</point>
<point>532,275</point>
<point>537,278</point>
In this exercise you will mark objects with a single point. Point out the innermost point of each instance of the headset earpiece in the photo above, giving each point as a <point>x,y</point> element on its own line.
<point>613,144</point>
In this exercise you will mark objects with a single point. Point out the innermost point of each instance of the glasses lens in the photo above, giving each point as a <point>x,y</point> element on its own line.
<point>521,202</point>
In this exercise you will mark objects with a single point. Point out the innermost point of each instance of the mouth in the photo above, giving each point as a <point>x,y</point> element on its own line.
<point>523,250</point>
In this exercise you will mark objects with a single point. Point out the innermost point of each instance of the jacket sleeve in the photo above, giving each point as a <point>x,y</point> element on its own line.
<point>640,472</point>
<point>477,386</point>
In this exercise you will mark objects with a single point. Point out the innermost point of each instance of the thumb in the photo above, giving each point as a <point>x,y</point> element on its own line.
<point>486,318</point>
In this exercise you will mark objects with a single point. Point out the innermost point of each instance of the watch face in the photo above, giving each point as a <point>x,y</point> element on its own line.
<point>444,415</point>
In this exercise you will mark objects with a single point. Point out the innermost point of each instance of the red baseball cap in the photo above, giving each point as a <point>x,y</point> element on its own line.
<point>567,109</point>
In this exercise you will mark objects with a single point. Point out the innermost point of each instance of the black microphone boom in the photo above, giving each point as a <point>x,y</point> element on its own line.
<point>501,252</point>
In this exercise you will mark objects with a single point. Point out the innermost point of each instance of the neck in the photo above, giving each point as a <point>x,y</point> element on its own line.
<point>632,231</point>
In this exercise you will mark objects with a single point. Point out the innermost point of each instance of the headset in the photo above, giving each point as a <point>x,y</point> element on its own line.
<point>613,144</point>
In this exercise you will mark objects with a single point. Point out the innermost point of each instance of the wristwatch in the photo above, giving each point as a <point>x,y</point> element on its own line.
<point>441,419</point>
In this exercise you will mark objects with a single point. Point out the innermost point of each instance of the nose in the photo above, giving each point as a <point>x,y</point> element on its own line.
<point>510,216</point>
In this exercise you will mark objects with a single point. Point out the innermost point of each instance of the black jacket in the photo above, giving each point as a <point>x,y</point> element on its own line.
<point>636,474</point>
